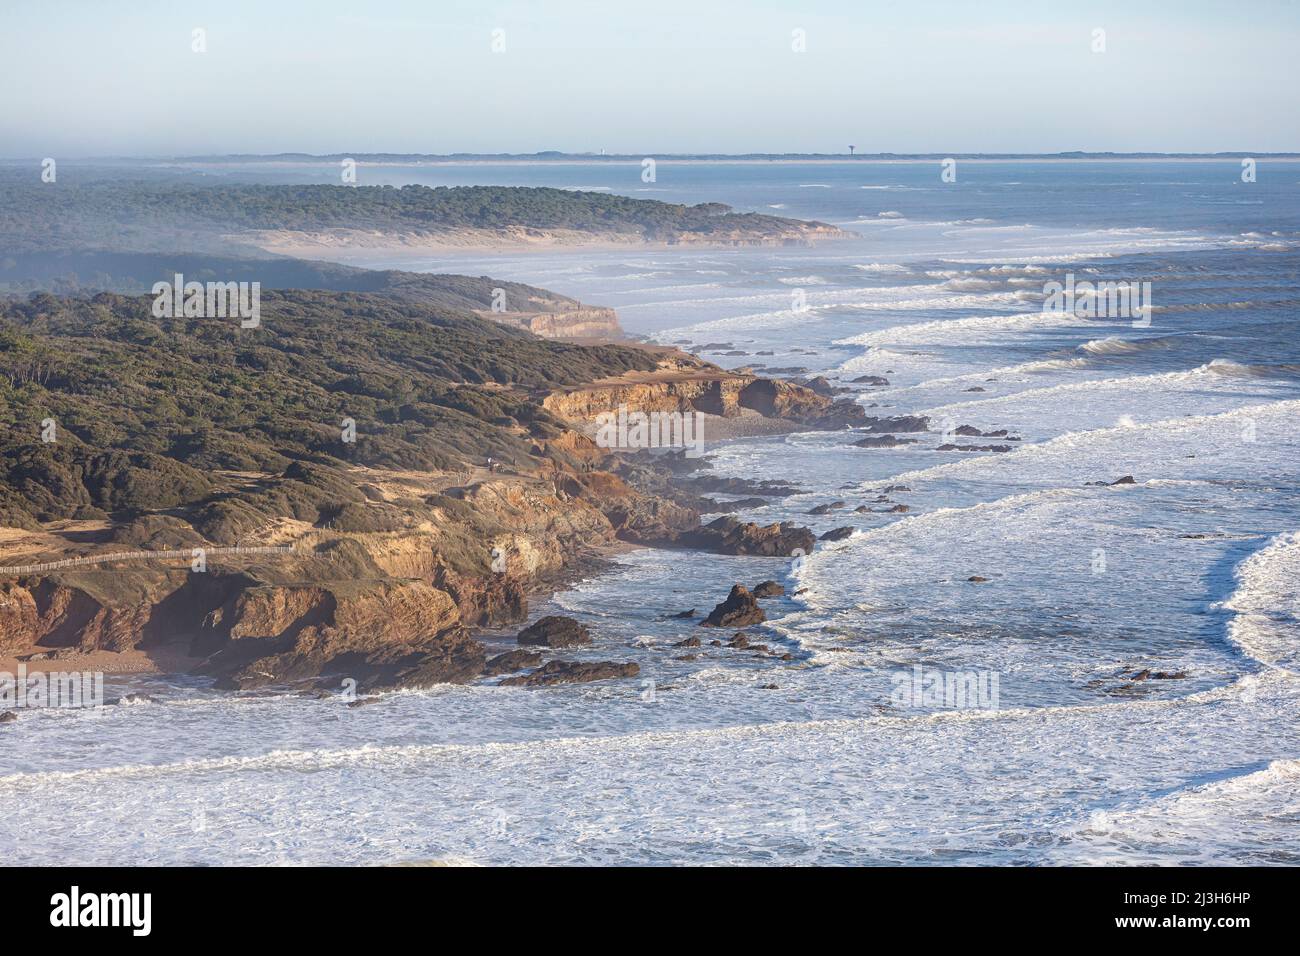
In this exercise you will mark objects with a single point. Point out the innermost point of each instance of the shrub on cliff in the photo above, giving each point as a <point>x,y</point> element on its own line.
<point>155,413</point>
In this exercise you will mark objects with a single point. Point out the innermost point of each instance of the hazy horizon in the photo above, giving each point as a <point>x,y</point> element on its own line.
<point>560,156</point>
<point>329,77</point>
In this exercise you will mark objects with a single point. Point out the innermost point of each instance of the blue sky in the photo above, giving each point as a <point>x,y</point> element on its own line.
<point>110,77</point>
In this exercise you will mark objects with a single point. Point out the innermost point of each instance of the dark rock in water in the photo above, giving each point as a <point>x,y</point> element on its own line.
<point>1147,674</point>
<point>818,384</point>
<point>787,657</point>
<point>898,509</point>
<point>883,441</point>
<point>739,486</point>
<point>7,716</point>
<point>787,370</point>
<point>976,579</point>
<point>399,668</point>
<point>684,615</point>
<point>827,508</point>
<point>740,641</point>
<point>861,510</point>
<point>970,431</point>
<point>713,506</point>
<point>740,609</point>
<point>715,345</point>
<point>511,661</point>
<point>973,388</point>
<point>844,413</point>
<point>1126,480</point>
<point>768,589</point>
<point>727,535</point>
<point>837,534</point>
<point>715,643</point>
<point>902,423</point>
<point>892,488</point>
<point>572,672</point>
<point>689,642</point>
<point>365,701</point>
<point>951,447</point>
<point>870,380</point>
<point>768,687</point>
<point>687,657</point>
<point>765,352</point>
<point>555,631</point>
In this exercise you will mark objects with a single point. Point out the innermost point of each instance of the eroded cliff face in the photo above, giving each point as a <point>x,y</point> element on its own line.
<point>381,608</point>
<point>715,394</point>
<point>583,322</point>
<point>374,633</point>
<point>83,610</point>
<point>679,387</point>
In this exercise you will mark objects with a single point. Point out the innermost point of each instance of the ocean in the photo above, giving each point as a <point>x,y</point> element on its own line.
<point>1190,572</point>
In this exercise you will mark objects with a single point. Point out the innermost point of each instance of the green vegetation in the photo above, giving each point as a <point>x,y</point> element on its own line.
<point>160,214</point>
<point>157,414</point>
<point>78,272</point>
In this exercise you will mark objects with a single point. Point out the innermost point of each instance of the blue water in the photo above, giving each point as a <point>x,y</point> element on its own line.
<point>732,756</point>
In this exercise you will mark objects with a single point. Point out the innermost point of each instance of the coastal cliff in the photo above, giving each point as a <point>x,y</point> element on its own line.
<point>255,545</point>
<point>684,384</point>
<point>578,322</point>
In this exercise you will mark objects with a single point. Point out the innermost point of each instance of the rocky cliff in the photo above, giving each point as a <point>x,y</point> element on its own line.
<point>579,322</point>
<point>685,384</point>
<point>253,537</point>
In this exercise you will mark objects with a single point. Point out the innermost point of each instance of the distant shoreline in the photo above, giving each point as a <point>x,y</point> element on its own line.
<point>675,161</point>
<point>589,159</point>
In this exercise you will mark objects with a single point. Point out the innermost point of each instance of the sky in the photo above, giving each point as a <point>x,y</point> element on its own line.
<point>86,78</point>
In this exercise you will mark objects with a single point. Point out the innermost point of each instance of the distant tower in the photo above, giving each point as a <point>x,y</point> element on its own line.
<point>851,149</point>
